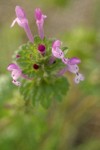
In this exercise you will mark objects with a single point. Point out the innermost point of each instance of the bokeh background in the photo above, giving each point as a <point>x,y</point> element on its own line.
<point>73,124</point>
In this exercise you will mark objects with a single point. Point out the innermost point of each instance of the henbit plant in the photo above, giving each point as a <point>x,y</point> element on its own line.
<point>41,64</point>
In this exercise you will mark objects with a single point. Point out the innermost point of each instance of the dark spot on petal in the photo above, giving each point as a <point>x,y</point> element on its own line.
<point>77,73</point>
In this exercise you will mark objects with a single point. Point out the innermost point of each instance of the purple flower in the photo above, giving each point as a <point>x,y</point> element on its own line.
<point>15,73</point>
<point>40,21</point>
<point>71,65</point>
<point>23,22</point>
<point>56,51</point>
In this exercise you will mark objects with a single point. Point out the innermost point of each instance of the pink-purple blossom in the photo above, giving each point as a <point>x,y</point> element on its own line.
<point>23,22</point>
<point>71,66</point>
<point>40,17</point>
<point>15,73</point>
<point>56,51</point>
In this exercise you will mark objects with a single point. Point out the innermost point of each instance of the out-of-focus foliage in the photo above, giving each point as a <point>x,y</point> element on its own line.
<point>73,124</point>
<point>7,44</point>
<point>84,43</point>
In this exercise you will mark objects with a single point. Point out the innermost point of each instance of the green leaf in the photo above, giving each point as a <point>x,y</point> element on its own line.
<point>44,91</point>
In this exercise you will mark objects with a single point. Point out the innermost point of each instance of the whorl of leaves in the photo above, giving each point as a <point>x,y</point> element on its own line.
<point>44,85</point>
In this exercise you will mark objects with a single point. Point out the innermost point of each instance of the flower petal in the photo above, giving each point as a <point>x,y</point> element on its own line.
<point>65,60</point>
<point>20,13</point>
<point>79,77</point>
<point>57,53</point>
<point>12,67</point>
<point>13,23</point>
<point>16,73</point>
<point>76,79</point>
<point>17,83</point>
<point>56,43</point>
<point>23,22</point>
<point>40,21</point>
<point>73,68</point>
<point>74,60</point>
<point>38,14</point>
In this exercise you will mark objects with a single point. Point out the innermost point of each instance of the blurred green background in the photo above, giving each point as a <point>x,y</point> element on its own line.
<point>73,124</point>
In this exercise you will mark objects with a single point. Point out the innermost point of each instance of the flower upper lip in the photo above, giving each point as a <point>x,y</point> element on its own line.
<point>40,17</point>
<point>23,22</point>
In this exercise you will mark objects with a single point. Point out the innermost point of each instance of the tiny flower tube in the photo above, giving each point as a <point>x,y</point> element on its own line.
<point>40,17</point>
<point>62,71</point>
<point>41,48</point>
<point>52,60</point>
<point>56,51</point>
<point>23,22</point>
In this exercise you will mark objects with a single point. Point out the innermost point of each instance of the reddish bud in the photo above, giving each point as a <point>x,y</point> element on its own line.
<point>17,56</point>
<point>41,48</point>
<point>35,66</point>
